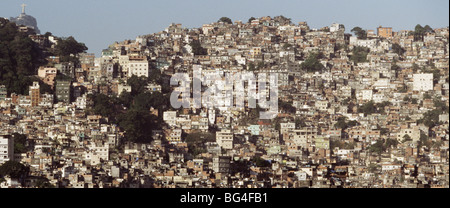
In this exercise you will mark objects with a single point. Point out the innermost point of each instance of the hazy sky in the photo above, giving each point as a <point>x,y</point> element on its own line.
<point>99,23</point>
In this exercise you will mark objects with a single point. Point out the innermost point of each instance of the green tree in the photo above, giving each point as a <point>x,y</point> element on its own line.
<point>406,138</point>
<point>197,48</point>
<point>431,118</point>
<point>196,141</point>
<point>359,32</point>
<point>43,183</point>
<point>14,169</point>
<point>138,125</point>
<point>20,143</point>
<point>259,162</point>
<point>19,57</point>
<point>137,84</point>
<point>68,48</point>
<point>251,66</point>
<point>378,147</point>
<point>359,54</point>
<point>251,19</point>
<point>225,20</point>
<point>312,63</point>
<point>368,108</point>
<point>398,49</point>
<point>419,32</point>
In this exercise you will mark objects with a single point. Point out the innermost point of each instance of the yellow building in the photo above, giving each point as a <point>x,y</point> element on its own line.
<point>385,32</point>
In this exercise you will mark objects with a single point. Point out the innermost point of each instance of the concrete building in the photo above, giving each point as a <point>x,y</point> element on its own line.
<point>138,66</point>
<point>385,32</point>
<point>422,82</point>
<point>63,91</point>
<point>225,139</point>
<point>6,148</point>
<point>35,94</point>
<point>3,92</point>
<point>221,164</point>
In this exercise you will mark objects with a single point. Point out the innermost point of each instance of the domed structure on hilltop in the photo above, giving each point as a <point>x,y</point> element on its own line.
<point>27,20</point>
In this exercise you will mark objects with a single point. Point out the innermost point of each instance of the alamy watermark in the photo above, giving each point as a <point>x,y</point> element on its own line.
<point>226,90</point>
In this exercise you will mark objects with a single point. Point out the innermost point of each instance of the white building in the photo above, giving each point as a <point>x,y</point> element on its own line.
<point>225,139</point>
<point>138,68</point>
<point>170,117</point>
<point>6,148</point>
<point>422,82</point>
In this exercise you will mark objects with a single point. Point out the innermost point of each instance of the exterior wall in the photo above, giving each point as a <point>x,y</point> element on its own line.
<point>6,148</point>
<point>422,82</point>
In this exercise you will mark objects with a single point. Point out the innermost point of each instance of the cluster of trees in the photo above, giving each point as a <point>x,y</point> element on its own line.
<point>419,32</point>
<point>359,32</point>
<point>341,144</point>
<point>20,143</point>
<point>131,110</point>
<point>252,67</point>
<point>259,162</point>
<point>343,124</point>
<point>196,141</point>
<point>372,107</point>
<point>398,49</point>
<point>197,48</point>
<point>382,145</point>
<point>19,57</point>
<point>431,118</point>
<point>312,63</point>
<point>286,107</point>
<point>225,20</point>
<point>68,48</point>
<point>359,54</point>
<point>14,169</point>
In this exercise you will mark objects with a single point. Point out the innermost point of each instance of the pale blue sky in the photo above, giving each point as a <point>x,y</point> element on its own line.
<point>99,23</point>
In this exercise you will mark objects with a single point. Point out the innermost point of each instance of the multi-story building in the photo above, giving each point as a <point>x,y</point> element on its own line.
<point>63,91</point>
<point>221,164</point>
<point>138,65</point>
<point>385,32</point>
<point>6,148</point>
<point>422,82</point>
<point>225,139</point>
<point>35,94</point>
<point>3,92</point>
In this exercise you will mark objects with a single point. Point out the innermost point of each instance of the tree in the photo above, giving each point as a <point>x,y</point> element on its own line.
<point>287,107</point>
<point>359,54</point>
<point>251,66</point>
<point>197,48</point>
<point>14,169</point>
<point>378,147</point>
<point>251,19</point>
<point>406,138</point>
<point>138,125</point>
<point>428,29</point>
<point>368,108</point>
<point>359,32</point>
<point>137,84</point>
<point>259,162</point>
<point>225,20</point>
<point>398,49</point>
<point>67,48</point>
<point>343,124</point>
<point>19,57</point>
<point>43,183</point>
<point>196,141</point>
<point>20,141</point>
<point>312,63</point>
<point>431,118</point>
